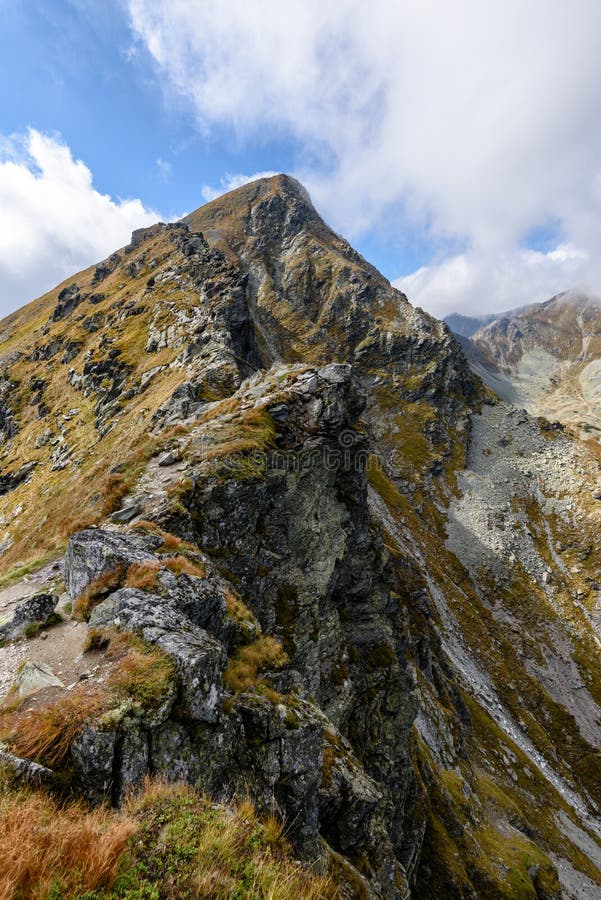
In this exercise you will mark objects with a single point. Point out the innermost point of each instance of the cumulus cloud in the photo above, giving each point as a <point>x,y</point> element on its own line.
<point>230,183</point>
<point>53,221</point>
<point>479,283</point>
<point>466,121</point>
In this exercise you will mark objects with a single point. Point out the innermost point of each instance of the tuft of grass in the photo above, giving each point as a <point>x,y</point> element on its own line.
<point>143,575</point>
<point>171,542</point>
<point>19,571</point>
<point>236,609</point>
<point>210,850</point>
<point>96,639</point>
<point>144,673</point>
<point>244,667</point>
<point>179,565</point>
<point>139,673</point>
<point>45,733</point>
<point>56,850</point>
<point>98,590</point>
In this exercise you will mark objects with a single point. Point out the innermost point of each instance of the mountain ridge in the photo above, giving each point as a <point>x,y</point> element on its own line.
<point>271,467</point>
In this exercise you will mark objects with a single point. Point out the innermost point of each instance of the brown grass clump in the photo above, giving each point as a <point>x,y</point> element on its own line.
<point>171,541</point>
<point>49,850</point>
<point>45,733</point>
<point>179,565</point>
<point>96,639</point>
<point>145,526</point>
<point>138,672</point>
<point>143,575</point>
<point>97,590</point>
<point>236,609</point>
<point>264,653</point>
<point>168,842</point>
<point>143,673</point>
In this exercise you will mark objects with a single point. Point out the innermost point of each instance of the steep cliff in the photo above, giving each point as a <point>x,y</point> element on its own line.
<point>368,589</point>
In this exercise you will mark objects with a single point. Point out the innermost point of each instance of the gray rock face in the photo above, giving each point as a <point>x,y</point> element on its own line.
<point>11,480</point>
<point>200,660</point>
<point>93,552</point>
<point>24,771</point>
<point>29,613</point>
<point>93,754</point>
<point>35,677</point>
<point>68,299</point>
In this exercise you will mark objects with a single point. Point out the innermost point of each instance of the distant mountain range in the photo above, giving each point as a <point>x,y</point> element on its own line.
<point>545,357</point>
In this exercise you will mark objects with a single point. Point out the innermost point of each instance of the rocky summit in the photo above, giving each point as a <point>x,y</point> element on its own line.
<point>267,535</point>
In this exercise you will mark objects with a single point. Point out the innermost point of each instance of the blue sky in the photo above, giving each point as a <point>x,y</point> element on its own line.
<point>457,150</point>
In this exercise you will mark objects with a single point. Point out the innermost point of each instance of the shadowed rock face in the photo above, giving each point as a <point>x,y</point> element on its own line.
<point>376,585</point>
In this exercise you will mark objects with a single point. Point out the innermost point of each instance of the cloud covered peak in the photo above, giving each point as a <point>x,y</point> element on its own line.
<point>463,123</point>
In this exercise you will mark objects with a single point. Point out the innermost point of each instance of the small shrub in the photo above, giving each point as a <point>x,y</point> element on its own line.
<point>264,653</point>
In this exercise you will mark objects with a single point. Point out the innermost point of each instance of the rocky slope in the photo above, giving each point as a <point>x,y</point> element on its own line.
<point>318,560</point>
<point>546,358</point>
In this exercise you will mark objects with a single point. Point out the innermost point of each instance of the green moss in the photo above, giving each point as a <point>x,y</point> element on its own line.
<point>381,657</point>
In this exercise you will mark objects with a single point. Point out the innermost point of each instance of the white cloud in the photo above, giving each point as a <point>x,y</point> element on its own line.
<point>53,221</point>
<point>164,168</point>
<point>479,120</point>
<point>230,183</point>
<point>479,283</point>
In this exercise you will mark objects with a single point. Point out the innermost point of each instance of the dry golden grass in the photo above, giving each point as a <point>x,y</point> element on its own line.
<point>171,541</point>
<point>45,733</point>
<point>236,609</point>
<point>137,672</point>
<point>168,842</point>
<point>97,590</point>
<point>179,565</point>
<point>49,850</point>
<point>244,667</point>
<point>144,673</point>
<point>143,575</point>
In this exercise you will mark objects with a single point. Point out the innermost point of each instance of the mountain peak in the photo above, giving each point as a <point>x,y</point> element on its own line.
<point>281,192</point>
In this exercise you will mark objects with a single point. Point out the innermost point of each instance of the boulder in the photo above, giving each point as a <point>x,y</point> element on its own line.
<point>92,552</point>
<point>29,614</point>
<point>200,659</point>
<point>27,772</point>
<point>34,677</point>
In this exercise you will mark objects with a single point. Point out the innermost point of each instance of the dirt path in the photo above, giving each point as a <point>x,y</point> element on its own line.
<point>59,646</point>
